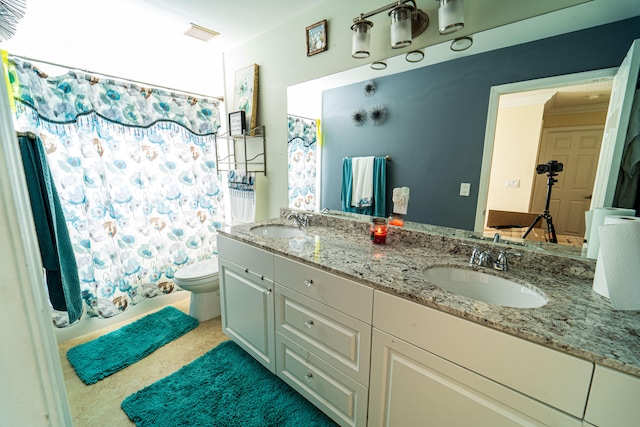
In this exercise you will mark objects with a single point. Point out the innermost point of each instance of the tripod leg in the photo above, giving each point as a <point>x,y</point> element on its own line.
<point>533,224</point>
<point>551,229</point>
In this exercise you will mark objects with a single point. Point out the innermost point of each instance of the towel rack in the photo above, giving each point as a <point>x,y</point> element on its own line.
<point>28,134</point>
<point>387,158</point>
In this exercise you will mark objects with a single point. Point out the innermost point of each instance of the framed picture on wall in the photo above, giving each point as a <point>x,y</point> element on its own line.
<point>317,38</point>
<point>245,95</point>
<point>237,123</point>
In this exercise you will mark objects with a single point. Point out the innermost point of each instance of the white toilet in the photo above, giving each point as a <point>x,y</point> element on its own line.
<point>201,279</point>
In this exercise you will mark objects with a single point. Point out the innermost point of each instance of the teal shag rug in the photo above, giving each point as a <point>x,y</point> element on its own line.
<point>116,350</point>
<point>224,387</point>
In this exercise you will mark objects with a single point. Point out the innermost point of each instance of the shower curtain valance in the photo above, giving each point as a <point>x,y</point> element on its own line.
<point>65,98</point>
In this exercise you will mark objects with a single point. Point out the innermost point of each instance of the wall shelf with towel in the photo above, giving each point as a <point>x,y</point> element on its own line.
<point>247,152</point>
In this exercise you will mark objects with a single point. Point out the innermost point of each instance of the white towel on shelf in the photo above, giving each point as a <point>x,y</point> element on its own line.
<point>242,197</point>
<point>362,184</point>
<point>243,206</point>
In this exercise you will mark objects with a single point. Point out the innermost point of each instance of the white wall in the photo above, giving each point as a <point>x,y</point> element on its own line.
<point>515,152</point>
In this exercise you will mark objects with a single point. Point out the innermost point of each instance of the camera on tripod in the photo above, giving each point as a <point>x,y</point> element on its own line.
<point>551,167</point>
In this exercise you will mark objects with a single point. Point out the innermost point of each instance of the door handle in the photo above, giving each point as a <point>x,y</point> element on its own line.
<point>589,196</point>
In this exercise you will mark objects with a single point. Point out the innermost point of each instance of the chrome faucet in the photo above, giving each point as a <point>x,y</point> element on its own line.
<point>484,259</point>
<point>325,210</point>
<point>301,220</point>
<point>479,257</point>
<point>496,238</point>
<point>502,263</point>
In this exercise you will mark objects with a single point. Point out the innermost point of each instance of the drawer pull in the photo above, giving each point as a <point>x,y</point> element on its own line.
<point>308,377</point>
<point>308,324</point>
<point>246,270</point>
<point>308,283</point>
<point>267,291</point>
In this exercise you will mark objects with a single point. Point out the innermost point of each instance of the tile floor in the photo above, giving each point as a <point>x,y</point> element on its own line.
<point>99,404</point>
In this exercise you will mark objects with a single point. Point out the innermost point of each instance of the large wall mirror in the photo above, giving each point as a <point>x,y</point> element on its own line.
<point>538,83</point>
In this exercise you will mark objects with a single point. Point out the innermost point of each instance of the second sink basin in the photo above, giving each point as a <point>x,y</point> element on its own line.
<point>484,287</point>
<point>277,231</point>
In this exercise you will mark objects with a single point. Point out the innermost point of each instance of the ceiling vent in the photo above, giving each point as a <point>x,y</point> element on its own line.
<point>201,33</point>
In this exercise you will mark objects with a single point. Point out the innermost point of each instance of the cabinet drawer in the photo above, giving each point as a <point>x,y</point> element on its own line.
<point>255,260</point>
<point>342,341</point>
<point>613,400</point>
<point>342,294</point>
<point>550,376</point>
<point>340,397</point>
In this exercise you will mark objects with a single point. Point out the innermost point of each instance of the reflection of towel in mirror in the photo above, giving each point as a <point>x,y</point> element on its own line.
<point>242,197</point>
<point>378,206</point>
<point>362,181</point>
<point>626,195</point>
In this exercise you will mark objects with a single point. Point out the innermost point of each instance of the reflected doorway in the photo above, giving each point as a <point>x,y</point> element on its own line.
<point>535,123</point>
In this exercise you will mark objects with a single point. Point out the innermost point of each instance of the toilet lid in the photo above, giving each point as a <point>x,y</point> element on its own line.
<point>198,270</point>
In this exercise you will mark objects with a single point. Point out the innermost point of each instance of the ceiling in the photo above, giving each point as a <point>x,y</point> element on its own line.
<point>567,99</point>
<point>236,21</point>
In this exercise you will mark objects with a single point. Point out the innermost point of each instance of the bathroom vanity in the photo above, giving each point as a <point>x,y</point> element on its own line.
<point>357,329</point>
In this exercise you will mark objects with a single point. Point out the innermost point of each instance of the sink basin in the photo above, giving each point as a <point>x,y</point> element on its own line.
<point>484,287</point>
<point>277,231</point>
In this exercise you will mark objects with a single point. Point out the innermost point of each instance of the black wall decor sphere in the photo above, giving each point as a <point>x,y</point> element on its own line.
<point>378,115</point>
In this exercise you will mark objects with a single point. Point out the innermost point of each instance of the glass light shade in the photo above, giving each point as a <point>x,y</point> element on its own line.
<point>400,26</point>
<point>450,16</point>
<point>361,41</point>
<point>379,65</point>
<point>414,56</point>
<point>461,43</point>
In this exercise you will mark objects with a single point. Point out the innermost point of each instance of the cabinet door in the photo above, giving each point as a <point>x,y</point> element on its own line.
<point>246,300</point>
<point>613,400</point>
<point>410,387</point>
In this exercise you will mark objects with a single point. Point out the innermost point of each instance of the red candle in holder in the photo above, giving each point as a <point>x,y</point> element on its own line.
<point>378,231</point>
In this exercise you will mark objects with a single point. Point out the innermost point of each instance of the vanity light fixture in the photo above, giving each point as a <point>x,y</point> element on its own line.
<point>407,22</point>
<point>361,41</point>
<point>461,43</point>
<point>415,56</point>
<point>450,16</point>
<point>401,26</point>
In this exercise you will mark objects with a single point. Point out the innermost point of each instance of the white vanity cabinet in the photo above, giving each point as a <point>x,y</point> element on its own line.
<point>431,368</point>
<point>246,298</point>
<point>323,337</point>
<point>614,399</point>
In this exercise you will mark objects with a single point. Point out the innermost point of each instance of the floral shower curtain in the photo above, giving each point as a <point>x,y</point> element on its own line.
<point>136,173</point>
<point>303,158</point>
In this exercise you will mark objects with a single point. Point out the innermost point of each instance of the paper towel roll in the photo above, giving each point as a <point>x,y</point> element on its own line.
<point>617,274</point>
<point>594,219</point>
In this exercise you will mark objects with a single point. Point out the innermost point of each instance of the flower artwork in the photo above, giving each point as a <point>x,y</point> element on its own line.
<point>246,94</point>
<point>317,38</point>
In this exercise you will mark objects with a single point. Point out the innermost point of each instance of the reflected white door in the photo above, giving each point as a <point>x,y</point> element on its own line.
<point>615,128</point>
<point>578,150</point>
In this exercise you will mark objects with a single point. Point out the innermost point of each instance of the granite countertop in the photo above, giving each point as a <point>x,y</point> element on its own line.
<point>575,319</point>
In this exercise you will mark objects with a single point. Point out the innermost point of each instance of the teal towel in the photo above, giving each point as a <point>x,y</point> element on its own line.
<point>379,206</point>
<point>56,250</point>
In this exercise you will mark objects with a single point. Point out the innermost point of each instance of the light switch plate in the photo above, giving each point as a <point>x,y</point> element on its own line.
<point>512,183</point>
<point>465,188</point>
